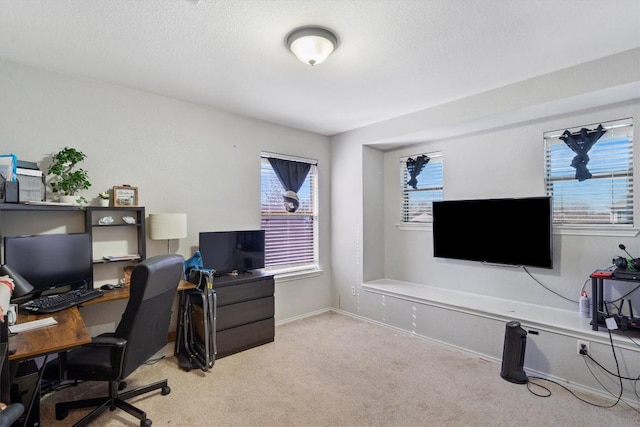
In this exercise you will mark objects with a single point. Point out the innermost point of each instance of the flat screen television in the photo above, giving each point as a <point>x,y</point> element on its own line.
<point>514,231</point>
<point>50,261</point>
<point>232,251</point>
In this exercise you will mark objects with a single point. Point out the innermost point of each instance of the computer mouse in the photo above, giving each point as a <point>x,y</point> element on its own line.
<point>107,287</point>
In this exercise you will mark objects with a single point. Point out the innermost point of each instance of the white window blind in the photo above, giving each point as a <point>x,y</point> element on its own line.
<point>290,237</point>
<point>417,203</point>
<point>607,197</point>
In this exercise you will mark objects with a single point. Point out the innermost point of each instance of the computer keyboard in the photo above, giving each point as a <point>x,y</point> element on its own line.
<point>57,302</point>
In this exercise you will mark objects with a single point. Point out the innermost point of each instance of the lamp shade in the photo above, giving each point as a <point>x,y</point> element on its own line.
<point>166,226</point>
<point>20,285</point>
<point>312,45</point>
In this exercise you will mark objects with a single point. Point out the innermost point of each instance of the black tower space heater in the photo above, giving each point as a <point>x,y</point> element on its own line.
<point>515,343</point>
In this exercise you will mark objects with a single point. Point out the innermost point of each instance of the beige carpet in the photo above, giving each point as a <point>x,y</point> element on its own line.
<point>334,370</point>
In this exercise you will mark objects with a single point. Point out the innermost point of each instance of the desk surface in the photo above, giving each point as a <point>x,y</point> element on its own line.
<point>112,295</point>
<point>69,332</point>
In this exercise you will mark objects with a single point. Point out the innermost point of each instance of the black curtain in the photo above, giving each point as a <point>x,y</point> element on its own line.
<point>414,167</point>
<point>580,143</point>
<point>291,175</point>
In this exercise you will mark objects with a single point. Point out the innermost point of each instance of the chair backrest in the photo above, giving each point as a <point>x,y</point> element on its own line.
<point>145,322</point>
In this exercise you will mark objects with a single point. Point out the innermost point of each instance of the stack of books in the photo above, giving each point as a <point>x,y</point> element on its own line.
<point>31,181</point>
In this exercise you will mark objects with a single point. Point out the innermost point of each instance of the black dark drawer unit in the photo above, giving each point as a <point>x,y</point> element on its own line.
<point>245,312</point>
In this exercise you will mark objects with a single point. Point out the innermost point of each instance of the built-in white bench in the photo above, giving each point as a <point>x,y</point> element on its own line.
<point>531,316</point>
<point>477,325</point>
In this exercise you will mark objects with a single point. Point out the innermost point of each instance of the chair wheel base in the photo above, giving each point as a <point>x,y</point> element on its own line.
<point>146,423</point>
<point>165,390</point>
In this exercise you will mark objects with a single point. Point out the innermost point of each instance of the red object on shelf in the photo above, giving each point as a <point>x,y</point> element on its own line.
<point>602,273</point>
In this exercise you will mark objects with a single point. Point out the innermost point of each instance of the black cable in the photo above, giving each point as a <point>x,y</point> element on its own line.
<point>154,361</point>
<point>614,306</point>
<point>609,391</point>
<point>567,389</point>
<point>608,371</point>
<point>624,332</point>
<point>585,356</point>
<point>544,286</point>
<point>615,357</point>
<point>539,385</point>
<point>626,295</point>
<point>618,375</point>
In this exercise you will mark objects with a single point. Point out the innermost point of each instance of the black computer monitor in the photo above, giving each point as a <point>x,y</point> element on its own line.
<point>50,261</point>
<point>229,251</point>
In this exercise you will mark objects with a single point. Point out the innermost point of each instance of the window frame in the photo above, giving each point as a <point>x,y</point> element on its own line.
<point>294,270</point>
<point>551,139</point>
<point>405,190</point>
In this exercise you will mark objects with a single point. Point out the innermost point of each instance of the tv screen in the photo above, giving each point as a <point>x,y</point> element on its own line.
<point>499,231</point>
<point>232,251</point>
<point>50,261</point>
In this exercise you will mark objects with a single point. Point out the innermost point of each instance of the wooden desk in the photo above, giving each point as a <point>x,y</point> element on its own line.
<point>112,295</point>
<point>123,293</point>
<point>69,332</point>
<point>185,285</point>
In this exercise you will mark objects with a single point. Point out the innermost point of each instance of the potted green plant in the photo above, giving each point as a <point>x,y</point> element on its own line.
<point>103,198</point>
<point>67,180</point>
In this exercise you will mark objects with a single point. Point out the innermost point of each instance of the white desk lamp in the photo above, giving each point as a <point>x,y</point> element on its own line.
<point>167,226</point>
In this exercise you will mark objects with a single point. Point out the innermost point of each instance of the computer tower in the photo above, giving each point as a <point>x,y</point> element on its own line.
<point>25,385</point>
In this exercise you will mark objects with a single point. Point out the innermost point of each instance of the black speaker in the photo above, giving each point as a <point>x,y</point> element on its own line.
<point>515,344</point>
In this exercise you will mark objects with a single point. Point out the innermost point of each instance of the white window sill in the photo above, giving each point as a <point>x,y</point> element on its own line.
<point>568,230</point>
<point>415,226</point>
<point>285,275</point>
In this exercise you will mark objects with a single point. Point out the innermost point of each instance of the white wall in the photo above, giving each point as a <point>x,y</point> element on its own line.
<point>503,129</point>
<point>502,163</point>
<point>493,147</point>
<point>182,157</point>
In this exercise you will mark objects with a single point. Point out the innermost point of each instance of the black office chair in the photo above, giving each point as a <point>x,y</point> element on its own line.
<point>141,333</point>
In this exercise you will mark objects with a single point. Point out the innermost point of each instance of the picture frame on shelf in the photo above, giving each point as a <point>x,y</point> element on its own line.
<point>125,196</point>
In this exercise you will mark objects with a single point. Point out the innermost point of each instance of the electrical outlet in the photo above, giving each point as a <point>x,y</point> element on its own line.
<point>583,347</point>
<point>353,291</point>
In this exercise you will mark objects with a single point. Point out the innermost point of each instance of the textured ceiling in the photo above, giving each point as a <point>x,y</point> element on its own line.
<point>394,58</point>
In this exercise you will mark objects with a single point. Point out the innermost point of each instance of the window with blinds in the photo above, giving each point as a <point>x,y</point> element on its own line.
<point>417,203</point>
<point>290,237</point>
<point>607,197</point>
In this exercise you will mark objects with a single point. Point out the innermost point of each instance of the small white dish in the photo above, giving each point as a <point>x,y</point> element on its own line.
<point>105,220</point>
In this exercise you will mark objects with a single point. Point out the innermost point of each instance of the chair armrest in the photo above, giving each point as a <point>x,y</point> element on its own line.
<point>107,341</point>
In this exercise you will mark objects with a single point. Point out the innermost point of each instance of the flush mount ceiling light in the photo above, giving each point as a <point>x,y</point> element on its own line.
<point>312,45</point>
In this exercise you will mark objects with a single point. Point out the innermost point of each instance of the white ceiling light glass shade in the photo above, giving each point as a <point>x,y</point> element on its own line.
<point>312,45</point>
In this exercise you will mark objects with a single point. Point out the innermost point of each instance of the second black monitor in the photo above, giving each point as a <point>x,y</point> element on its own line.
<point>232,251</point>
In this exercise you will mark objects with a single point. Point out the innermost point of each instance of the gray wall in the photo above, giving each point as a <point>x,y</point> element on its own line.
<point>493,147</point>
<point>182,157</point>
<point>504,129</point>
<point>501,163</point>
